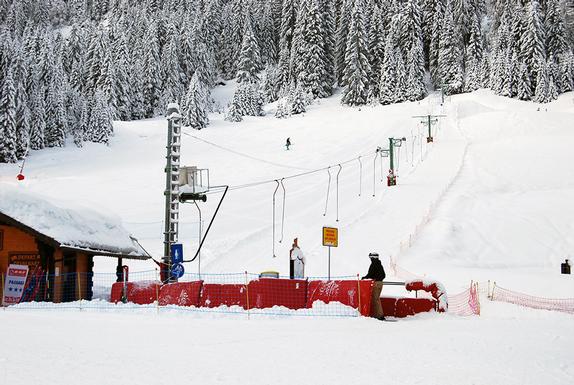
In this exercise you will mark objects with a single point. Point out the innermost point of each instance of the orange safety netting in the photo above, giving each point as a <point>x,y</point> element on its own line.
<point>501,294</point>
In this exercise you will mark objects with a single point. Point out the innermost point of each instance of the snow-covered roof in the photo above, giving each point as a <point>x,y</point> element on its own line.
<point>77,228</point>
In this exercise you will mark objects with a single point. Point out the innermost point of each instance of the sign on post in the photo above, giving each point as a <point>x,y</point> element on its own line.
<point>14,285</point>
<point>177,270</point>
<point>176,253</point>
<point>330,239</point>
<point>330,236</point>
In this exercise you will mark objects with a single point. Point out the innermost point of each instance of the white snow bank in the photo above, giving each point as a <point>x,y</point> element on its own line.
<point>78,227</point>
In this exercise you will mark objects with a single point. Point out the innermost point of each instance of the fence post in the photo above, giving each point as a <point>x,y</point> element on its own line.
<point>359,294</point>
<point>78,277</point>
<point>247,294</point>
<point>493,287</point>
<point>477,297</point>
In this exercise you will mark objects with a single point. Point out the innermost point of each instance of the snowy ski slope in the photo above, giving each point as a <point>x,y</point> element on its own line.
<point>491,199</point>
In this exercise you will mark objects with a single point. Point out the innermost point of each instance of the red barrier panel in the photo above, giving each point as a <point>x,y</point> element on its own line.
<point>215,295</point>
<point>180,293</point>
<point>345,292</point>
<point>269,292</point>
<point>435,288</point>
<point>403,307</point>
<point>141,293</point>
<point>210,295</point>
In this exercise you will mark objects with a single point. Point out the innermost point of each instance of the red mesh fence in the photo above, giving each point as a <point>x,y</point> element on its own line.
<point>501,294</point>
<point>466,303</point>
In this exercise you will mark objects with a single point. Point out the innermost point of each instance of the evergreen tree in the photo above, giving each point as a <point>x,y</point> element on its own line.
<point>449,59</point>
<point>567,71</point>
<point>8,120</point>
<point>249,57</point>
<point>195,105</point>
<point>356,71</point>
<point>541,93</point>
<point>388,76</point>
<point>415,86</point>
<point>38,121</point>
<point>310,71</point>
<point>532,41</point>
<point>151,71</point>
<point>56,119</point>
<point>524,86</point>
<point>99,127</point>
<point>297,101</point>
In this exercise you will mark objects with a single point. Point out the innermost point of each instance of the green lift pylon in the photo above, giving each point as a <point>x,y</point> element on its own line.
<point>429,121</point>
<point>390,152</point>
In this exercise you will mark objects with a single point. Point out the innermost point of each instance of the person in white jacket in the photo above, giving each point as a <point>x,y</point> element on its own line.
<point>297,262</point>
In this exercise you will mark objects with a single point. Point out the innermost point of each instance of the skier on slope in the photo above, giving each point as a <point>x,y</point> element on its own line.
<point>288,143</point>
<point>377,274</point>
<point>297,262</point>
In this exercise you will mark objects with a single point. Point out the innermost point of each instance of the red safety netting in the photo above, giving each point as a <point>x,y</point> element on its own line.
<point>466,303</point>
<point>501,294</point>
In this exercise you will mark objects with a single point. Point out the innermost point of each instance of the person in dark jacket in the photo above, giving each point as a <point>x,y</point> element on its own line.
<point>377,274</point>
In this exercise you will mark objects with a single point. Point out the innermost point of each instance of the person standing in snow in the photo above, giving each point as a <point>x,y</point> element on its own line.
<point>377,274</point>
<point>297,262</point>
<point>288,143</point>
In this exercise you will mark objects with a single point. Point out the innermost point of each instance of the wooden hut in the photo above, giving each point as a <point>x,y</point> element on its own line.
<point>58,245</point>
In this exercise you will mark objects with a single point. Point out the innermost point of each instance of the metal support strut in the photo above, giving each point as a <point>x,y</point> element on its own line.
<point>328,189</point>
<point>337,183</point>
<point>273,226</point>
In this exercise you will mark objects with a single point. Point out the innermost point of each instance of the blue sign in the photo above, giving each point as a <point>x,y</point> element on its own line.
<point>177,270</point>
<point>176,253</point>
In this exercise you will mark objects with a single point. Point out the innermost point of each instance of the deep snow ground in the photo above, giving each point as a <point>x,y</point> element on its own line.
<point>506,345</point>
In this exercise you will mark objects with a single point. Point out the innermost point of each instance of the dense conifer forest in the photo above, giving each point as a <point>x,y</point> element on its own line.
<point>68,68</point>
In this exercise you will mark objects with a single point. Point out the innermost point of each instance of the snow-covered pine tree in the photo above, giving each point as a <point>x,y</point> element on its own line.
<point>151,71</point>
<point>329,28</point>
<point>387,86</point>
<point>343,22</point>
<point>473,57</point>
<point>541,93</point>
<point>567,71</point>
<point>401,76</point>
<point>415,86</point>
<point>249,57</point>
<point>195,105</point>
<point>56,119</point>
<point>376,47</point>
<point>309,68</point>
<point>79,131</point>
<point>122,75</point>
<point>100,124</point>
<point>532,43</point>
<point>434,45</point>
<point>553,78</point>
<point>523,85</point>
<point>357,69</point>
<point>8,120</point>
<point>172,71</point>
<point>270,83</point>
<point>287,29</point>
<point>38,120</point>
<point>297,101</point>
<point>450,59</point>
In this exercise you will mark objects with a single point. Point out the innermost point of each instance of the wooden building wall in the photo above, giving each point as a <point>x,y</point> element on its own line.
<point>17,246</point>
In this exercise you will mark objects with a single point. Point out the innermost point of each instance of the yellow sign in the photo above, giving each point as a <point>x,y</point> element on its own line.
<point>330,236</point>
